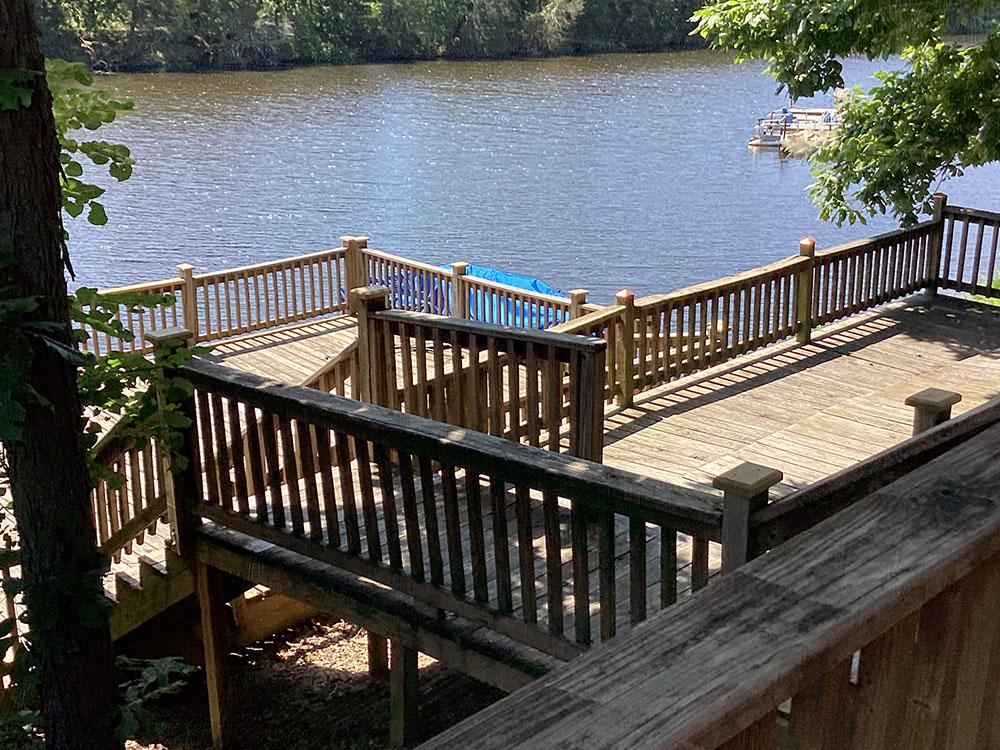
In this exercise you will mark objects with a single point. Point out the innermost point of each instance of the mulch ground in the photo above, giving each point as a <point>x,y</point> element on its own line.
<point>307,689</point>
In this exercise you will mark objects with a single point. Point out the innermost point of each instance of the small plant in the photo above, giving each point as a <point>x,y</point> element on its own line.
<point>153,678</point>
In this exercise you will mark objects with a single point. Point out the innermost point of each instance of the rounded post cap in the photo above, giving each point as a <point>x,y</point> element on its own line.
<point>933,399</point>
<point>748,479</point>
<point>807,246</point>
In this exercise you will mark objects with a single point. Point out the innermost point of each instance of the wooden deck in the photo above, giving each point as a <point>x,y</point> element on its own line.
<point>290,354</point>
<point>810,410</point>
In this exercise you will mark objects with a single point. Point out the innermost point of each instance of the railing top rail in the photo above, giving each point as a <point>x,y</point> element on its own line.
<point>798,511</point>
<point>597,485</point>
<point>516,290</point>
<point>427,267</point>
<point>976,213</point>
<point>344,354</point>
<point>846,247</point>
<point>332,252</point>
<point>145,286</point>
<point>786,265</point>
<point>563,341</point>
<point>591,319</point>
<point>768,629</point>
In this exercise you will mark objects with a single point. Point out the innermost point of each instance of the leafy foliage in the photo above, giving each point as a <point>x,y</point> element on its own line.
<point>921,125</point>
<point>201,34</point>
<point>77,106</point>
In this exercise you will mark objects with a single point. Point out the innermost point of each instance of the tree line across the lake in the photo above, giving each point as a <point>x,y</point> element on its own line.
<point>224,34</point>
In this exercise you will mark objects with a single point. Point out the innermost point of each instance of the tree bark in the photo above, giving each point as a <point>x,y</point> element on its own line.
<point>61,567</point>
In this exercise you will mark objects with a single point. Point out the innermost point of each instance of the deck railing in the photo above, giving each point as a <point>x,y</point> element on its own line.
<point>969,252</point>
<point>662,337</point>
<point>400,499</point>
<point>875,629</point>
<point>538,387</point>
<point>237,301</point>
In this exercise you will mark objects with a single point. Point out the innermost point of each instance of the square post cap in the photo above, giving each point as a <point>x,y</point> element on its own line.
<point>933,399</point>
<point>172,336</point>
<point>748,479</point>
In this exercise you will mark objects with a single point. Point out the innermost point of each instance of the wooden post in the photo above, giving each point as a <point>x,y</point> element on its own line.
<point>403,695</point>
<point>586,404</point>
<point>355,271</point>
<point>937,242</point>
<point>459,292</point>
<point>577,299</point>
<point>378,656</point>
<point>626,347</point>
<point>804,292</point>
<point>365,302</point>
<point>931,407</point>
<point>210,588</point>
<point>745,489</point>
<point>189,300</point>
<point>180,485</point>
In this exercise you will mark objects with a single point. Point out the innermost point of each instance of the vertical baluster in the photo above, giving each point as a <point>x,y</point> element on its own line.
<point>553,562</point>
<point>501,550</point>
<point>291,475</point>
<point>269,424</point>
<point>477,541</point>
<point>256,457</point>
<point>329,498</point>
<point>668,567</point>
<point>606,574</point>
<point>421,407</point>
<point>473,416</point>
<point>411,519</point>
<point>526,554</point>
<point>581,572</point>
<point>239,461</point>
<point>453,532</point>
<point>531,380</point>
<point>207,449</point>
<point>429,498</point>
<point>636,570</point>
<point>514,391</point>
<point>390,513</point>
<point>368,501</point>
<point>307,453</point>
<point>342,449</point>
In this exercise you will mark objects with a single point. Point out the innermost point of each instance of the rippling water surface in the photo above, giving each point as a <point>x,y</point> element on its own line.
<point>596,172</point>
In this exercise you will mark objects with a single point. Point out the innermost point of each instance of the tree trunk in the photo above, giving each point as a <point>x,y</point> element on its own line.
<point>48,473</point>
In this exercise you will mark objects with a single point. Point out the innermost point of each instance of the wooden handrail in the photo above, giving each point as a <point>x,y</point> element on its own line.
<point>906,581</point>
<point>603,487</point>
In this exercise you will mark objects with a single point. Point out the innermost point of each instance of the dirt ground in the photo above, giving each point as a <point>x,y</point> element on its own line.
<point>308,689</point>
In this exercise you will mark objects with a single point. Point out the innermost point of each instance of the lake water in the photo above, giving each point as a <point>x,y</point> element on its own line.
<point>598,172</point>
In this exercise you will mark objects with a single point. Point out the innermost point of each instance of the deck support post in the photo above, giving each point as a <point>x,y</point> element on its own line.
<point>355,273</point>
<point>626,347</point>
<point>378,656</point>
<point>577,299</point>
<point>931,407</point>
<point>189,300</point>
<point>804,291</point>
<point>745,490</point>
<point>459,291</point>
<point>180,486</point>
<point>210,588</point>
<point>365,302</point>
<point>937,242</point>
<point>403,695</point>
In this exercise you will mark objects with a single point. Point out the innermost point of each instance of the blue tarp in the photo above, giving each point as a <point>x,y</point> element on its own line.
<point>495,308</point>
<point>424,292</point>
